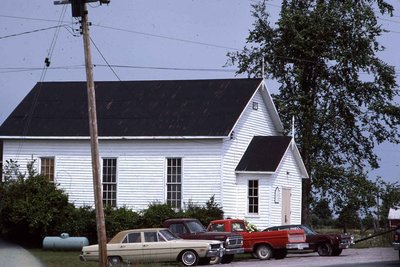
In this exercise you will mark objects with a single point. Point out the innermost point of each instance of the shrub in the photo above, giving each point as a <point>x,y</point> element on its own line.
<point>205,214</point>
<point>119,219</point>
<point>30,208</point>
<point>80,222</point>
<point>156,214</point>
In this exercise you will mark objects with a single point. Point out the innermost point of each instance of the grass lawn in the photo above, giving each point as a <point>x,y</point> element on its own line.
<point>61,258</point>
<point>71,259</point>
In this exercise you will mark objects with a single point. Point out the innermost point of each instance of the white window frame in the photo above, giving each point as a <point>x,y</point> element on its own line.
<point>110,187</point>
<point>174,187</point>
<point>46,172</point>
<point>253,193</point>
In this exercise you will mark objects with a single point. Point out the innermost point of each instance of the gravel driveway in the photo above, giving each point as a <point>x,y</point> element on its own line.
<point>375,256</point>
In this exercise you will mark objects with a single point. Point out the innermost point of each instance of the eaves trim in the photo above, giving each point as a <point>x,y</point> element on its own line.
<point>110,137</point>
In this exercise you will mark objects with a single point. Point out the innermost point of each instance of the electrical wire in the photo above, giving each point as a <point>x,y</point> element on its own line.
<point>43,74</point>
<point>105,60</point>
<point>167,37</point>
<point>33,31</point>
<point>28,18</point>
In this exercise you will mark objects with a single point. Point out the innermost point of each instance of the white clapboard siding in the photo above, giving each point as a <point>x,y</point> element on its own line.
<point>288,176</point>
<point>261,220</point>
<point>251,123</point>
<point>141,166</point>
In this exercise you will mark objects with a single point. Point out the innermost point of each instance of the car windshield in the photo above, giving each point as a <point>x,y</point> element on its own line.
<point>168,235</point>
<point>195,227</point>
<point>308,230</point>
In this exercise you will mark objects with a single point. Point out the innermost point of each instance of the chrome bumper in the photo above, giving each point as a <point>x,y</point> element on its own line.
<point>215,253</point>
<point>297,245</point>
<point>230,251</point>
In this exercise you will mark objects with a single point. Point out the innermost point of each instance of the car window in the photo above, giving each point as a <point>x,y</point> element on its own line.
<point>218,227</point>
<point>168,235</point>
<point>308,230</point>
<point>238,227</point>
<point>160,237</point>
<point>195,227</point>
<point>178,228</point>
<point>132,238</point>
<point>150,237</point>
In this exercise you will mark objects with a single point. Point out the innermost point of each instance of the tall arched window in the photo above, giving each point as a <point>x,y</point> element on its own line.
<point>277,195</point>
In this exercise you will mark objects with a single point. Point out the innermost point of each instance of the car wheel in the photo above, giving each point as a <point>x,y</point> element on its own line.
<point>114,262</point>
<point>324,249</point>
<point>215,260</point>
<point>189,258</point>
<point>280,254</point>
<point>264,252</point>
<point>227,259</point>
<point>337,252</point>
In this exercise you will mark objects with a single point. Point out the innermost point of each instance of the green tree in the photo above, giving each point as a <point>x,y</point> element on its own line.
<point>389,197</point>
<point>321,214</point>
<point>324,55</point>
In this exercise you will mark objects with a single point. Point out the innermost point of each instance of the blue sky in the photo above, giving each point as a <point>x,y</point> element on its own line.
<point>148,40</point>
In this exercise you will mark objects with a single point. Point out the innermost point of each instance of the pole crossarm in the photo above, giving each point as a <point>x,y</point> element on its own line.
<point>66,2</point>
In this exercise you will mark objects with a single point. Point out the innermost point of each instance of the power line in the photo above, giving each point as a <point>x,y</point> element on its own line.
<point>33,31</point>
<point>28,18</point>
<point>165,68</point>
<point>167,37</point>
<point>25,69</point>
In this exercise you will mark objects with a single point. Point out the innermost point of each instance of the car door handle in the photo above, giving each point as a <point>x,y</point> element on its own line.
<point>145,246</point>
<point>122,246</point>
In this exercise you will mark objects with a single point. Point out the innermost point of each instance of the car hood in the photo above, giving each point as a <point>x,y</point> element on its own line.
<point>217,235</point>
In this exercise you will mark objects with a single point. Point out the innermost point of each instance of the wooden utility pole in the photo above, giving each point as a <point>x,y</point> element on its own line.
<point>79,9</point>
<point>100,220</point>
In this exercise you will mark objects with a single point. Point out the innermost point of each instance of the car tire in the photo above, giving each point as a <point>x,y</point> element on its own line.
<point>227,258</point>
<point>337,252</point>
<point>189,258</point>
<point>263,252</point>
<point>280,254</point>
<point>324,249</point>
<point>215,260</point>
<point>115,262</point>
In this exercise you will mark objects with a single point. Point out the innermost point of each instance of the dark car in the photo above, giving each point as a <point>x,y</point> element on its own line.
<point>324,244</point>
<point>396,241</point>
<point>188,228</point>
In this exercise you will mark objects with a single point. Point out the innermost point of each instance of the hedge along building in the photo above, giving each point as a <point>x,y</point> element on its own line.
<point>166,141</point>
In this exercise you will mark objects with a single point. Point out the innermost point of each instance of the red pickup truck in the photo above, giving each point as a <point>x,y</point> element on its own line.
<point>262,245</point>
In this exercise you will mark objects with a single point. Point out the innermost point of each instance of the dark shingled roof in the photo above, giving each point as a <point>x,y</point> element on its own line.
<point>133,108</point>
<point>264,153</point>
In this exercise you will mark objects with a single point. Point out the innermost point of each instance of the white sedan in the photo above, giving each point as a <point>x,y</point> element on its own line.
<point>154,245</point>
